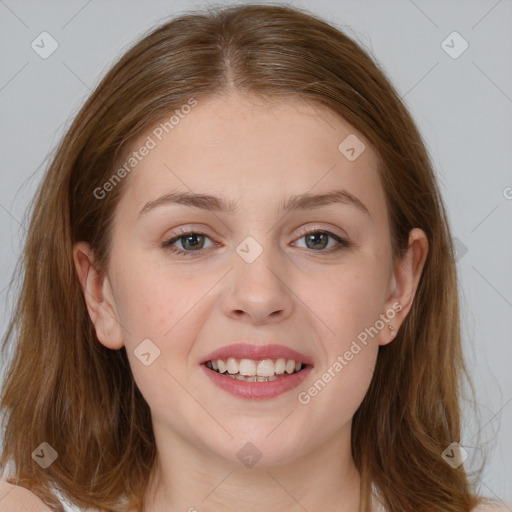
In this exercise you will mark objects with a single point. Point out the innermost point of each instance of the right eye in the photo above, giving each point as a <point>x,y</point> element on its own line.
<point>191,241</point>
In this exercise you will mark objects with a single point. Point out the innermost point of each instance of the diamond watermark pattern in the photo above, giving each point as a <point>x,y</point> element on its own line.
<point>45,455</point>
<point>351,147</point>
<point>460,248</point>
<point>249,455</point>
<point>454,45</point>
<point>249,249</point>
<point>44,45</point>
<point>147,352</point>
<point>455,455</point>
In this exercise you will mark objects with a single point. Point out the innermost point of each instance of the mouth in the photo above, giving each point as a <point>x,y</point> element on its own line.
<point>255,371</point>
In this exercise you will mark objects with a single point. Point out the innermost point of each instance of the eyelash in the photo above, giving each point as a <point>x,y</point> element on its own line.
<point>342,243</point>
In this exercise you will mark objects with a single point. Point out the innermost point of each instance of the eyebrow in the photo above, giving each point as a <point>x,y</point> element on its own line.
<point>306,201</point>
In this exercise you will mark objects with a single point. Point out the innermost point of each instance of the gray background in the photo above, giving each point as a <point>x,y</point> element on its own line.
<point>463,107</point>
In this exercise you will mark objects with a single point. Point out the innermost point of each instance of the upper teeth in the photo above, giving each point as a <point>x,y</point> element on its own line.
<point>250,367</point>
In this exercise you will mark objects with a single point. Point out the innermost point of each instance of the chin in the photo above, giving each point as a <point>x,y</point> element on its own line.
<point>259,451</point>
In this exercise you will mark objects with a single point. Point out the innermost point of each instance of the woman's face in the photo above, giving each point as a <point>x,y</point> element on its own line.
<point>251,277</point>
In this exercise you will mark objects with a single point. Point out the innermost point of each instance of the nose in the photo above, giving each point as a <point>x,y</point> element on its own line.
<point>258,292</point>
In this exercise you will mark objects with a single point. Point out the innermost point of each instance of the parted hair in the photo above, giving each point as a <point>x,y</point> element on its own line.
<point>63,387</point>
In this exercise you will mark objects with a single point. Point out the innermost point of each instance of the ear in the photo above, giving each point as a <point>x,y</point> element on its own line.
<point>403,284</point>
<point>98,297</point>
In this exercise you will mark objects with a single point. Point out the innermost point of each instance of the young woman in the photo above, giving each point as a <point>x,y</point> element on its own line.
<point>239,289</point>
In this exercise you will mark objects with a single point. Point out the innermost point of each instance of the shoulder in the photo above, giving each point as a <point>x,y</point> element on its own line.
<point>14,498</point>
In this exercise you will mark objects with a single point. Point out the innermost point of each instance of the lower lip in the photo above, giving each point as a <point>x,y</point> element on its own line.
<point>257,390</point>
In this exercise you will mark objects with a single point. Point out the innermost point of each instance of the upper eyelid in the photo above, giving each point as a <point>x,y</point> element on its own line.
<point>198,231</point>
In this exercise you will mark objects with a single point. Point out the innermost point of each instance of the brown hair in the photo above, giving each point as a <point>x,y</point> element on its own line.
<point>66,388</point>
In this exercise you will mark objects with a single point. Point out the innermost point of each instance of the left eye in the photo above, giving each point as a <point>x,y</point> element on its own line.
<point>318,240</point>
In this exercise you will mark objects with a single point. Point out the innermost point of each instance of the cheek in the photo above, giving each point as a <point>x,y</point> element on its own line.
<point>163,307</point>
<point>151,300</point>
<point>352,305</point>
<point>332,398</point>
<point>348,301</point>
<point>350,382</point>
<point>146,307</point>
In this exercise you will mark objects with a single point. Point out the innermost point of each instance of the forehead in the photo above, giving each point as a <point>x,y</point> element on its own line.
<point>246,147</point>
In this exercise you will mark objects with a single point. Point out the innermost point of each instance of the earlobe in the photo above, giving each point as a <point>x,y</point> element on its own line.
<point>98,297</point>
<point>405,280</point>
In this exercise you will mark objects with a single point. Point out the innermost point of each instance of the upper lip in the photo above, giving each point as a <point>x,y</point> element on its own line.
<point>257,353</point>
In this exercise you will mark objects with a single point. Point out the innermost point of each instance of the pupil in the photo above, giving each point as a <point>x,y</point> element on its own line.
<point>314,237</point>
<point>190,238</point>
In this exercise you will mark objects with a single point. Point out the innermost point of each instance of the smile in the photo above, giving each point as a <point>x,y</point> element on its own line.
<point>256,372</point>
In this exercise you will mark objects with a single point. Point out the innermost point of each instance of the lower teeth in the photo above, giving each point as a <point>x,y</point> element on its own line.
<point>253,378</point>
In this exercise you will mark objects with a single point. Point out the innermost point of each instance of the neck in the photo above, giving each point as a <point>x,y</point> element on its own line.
<point>189,479</point>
